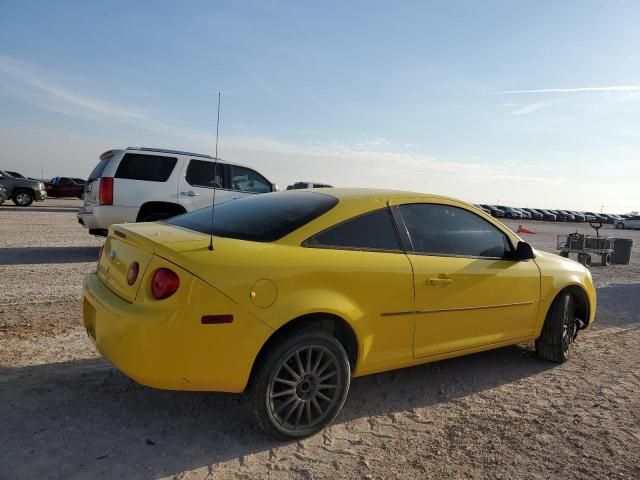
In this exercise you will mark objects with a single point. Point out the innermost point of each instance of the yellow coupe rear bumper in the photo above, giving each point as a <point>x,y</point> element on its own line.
<point>170,348</point>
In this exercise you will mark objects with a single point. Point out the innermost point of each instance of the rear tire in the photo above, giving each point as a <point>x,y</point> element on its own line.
<point>23,198</point>
<point>606,259</point>
<point>558,331</point>
<point>299,385</point>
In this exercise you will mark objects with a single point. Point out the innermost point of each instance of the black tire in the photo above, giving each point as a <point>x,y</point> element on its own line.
<point>22,198</point>
<point>155,216</point>
<point>605,259</point>
<point>558,331</point>
<point>620,226</point>
<point>285,384</point>
<point>584,259</point>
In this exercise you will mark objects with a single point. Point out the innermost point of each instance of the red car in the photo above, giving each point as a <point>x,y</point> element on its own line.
<point>65,187</point>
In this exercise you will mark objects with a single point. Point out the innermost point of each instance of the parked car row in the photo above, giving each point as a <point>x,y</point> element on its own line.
<point>502,211</point>
<point>23,191</point>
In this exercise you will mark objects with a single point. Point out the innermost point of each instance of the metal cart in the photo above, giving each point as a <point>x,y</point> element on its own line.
<point>586,246</point>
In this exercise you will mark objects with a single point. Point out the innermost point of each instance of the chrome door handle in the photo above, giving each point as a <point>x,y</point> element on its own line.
<point>439,282</point>
<point>190,193</point>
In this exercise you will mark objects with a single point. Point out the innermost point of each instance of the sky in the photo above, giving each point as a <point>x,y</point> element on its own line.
<point>505,102</point>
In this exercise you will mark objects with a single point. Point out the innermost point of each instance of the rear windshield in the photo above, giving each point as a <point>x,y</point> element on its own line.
<point>97,172</point>
<point>260,218</point>
<point>151,168</point>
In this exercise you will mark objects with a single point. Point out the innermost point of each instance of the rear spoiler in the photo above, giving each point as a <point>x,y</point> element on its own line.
<point>107,154</point>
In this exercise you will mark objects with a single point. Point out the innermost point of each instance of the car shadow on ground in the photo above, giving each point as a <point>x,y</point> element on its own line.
<point>39,255</point>
<point>43,209</point>
<point>84,419</point>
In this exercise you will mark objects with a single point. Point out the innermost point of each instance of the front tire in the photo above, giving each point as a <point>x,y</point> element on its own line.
<point>559,330</point>
<point>23,198</point>
<point>300,384</point>
<point>620,226</point>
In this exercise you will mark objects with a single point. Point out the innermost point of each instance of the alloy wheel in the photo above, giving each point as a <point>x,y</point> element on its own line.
<point>23,198</point>
<point>305,388</point>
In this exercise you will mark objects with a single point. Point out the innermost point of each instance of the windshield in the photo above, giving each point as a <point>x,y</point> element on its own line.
<point>259,218</point>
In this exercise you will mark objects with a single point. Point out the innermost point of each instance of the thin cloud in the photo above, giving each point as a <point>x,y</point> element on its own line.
<point>618,88</point>
<point>34,87</point>
<point>532,107</point>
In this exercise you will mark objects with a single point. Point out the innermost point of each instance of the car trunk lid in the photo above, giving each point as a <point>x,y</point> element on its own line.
<point>120,250</point>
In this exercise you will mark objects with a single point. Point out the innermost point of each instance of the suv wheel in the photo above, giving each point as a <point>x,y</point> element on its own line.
<point>300,385</point>
<point>23,198</point>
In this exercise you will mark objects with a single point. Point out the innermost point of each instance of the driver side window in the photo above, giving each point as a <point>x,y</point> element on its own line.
<point>446,230</point>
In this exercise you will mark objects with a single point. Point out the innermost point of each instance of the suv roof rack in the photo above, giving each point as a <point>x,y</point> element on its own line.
<point>175,152</point>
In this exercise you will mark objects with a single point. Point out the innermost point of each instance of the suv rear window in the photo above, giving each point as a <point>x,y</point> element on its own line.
<point>260,218</point>
<point>151,168</point>
<point>97,171</point>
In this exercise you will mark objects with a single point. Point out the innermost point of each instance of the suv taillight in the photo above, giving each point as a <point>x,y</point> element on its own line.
<point>105,192</point>
<point>164,283</point>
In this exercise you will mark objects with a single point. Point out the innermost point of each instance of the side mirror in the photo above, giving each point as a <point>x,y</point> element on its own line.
<point>524,251</point>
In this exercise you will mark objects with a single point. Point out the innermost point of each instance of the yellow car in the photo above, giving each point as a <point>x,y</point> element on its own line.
<point>286,296</point>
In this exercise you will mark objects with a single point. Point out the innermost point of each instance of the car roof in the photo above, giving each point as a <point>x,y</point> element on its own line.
<point>388,194</point>
<point>147,150</point>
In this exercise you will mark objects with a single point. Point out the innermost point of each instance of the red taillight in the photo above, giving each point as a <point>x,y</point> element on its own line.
<point>164,283</point>
<point>132,274</point>
<point>105,192</point>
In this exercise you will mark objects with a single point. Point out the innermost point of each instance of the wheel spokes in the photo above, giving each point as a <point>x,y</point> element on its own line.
<point>305,388</point>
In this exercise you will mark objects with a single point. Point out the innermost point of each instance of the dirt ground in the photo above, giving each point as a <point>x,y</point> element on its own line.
<point>66,413</point>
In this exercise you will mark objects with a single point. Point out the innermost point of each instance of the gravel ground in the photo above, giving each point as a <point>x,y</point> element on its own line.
<point>66,413</point>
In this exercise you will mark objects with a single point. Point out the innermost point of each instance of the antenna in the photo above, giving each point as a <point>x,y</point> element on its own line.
<point>215,169</point>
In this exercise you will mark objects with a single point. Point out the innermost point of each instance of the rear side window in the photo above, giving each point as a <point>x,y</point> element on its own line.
<point>446,230</point>
<point>371,231</point>
<point>258,218</point>
<point>247,180</point>
<point>151,168</point>
<point>201,174</point>
<point>97,171</point>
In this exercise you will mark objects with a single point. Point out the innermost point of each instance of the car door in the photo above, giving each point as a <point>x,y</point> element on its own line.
<point>362,259</point>
<point>245,181</point>
<point>468,292</point>
<point>65,187</point>
<point>199,181</point>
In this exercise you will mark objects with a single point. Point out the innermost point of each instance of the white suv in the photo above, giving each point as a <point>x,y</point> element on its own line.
<point>147,184</point>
